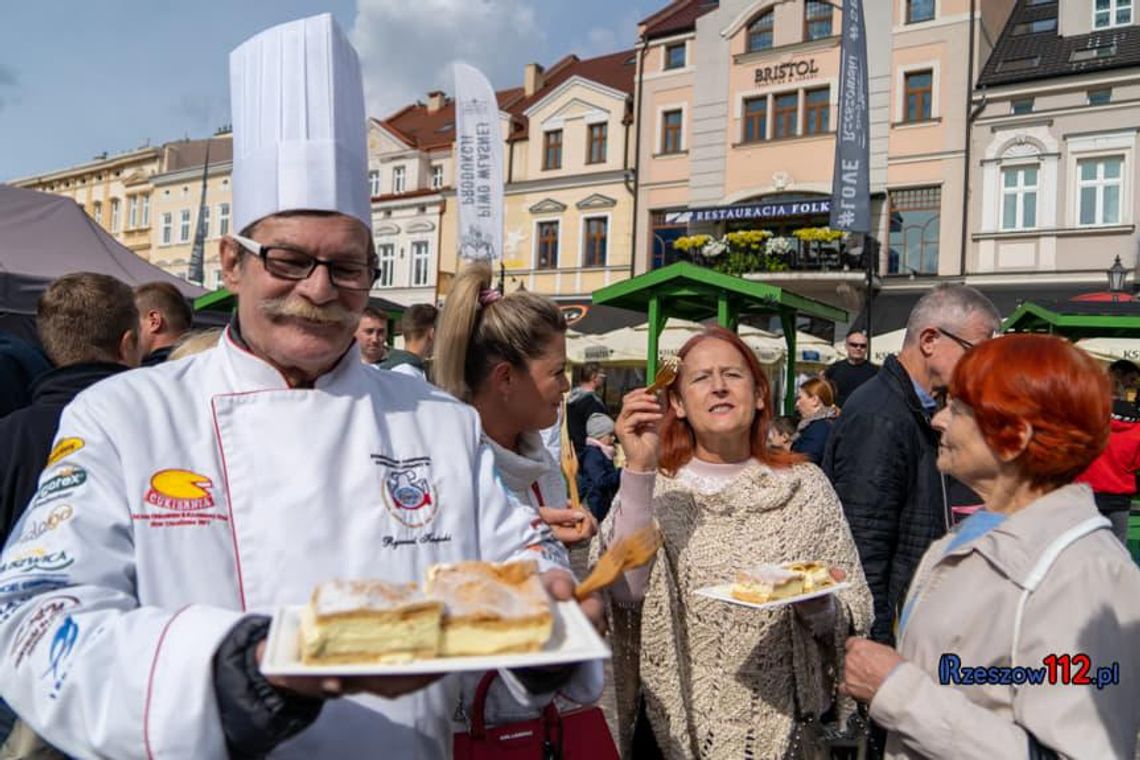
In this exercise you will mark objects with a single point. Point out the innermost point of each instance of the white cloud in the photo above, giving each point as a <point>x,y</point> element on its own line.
<point>619,34</point>
<point>407,46</point>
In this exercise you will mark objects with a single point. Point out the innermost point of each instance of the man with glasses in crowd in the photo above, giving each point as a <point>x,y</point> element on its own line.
<point>848,374</point>
<point>206,493</point>
<point>882,453</point>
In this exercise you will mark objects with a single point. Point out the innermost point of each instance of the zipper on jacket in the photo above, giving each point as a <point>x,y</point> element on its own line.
<point>945,502</point>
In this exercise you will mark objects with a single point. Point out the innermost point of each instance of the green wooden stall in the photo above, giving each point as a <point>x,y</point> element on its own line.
<point>695,293</point>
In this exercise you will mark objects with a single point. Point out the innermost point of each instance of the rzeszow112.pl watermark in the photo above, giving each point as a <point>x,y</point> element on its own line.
<point>1063,669</point>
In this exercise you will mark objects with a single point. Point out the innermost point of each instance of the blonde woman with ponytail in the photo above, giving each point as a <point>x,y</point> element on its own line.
<point>506,356</point>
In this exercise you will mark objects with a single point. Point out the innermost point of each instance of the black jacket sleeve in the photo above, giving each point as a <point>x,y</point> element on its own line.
<point>866,460</point>
<point>256,716</point>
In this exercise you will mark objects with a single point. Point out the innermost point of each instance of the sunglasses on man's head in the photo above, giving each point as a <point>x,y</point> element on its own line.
<point>856,345</point>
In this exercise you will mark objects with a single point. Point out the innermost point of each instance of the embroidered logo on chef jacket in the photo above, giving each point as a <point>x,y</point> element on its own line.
<point>64,448</point>
<point>183,495</point>
<point>179,490</point>
<point>406,490</point>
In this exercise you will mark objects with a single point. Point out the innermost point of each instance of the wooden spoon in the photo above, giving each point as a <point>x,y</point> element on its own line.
<point>570,462</point>
<point>632,551</point>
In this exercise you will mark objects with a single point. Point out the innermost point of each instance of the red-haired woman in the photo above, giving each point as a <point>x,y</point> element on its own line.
<point>816,405</point>
<point>719,680</point>
<point>1032,586</point>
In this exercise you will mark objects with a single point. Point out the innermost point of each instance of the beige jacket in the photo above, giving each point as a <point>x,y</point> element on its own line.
<point>964,602</point>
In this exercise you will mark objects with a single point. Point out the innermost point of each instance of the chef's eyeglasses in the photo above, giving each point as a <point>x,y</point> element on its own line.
<point>290,263</point>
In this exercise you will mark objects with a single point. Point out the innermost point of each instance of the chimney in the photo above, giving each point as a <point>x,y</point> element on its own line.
<point>532,79</point>
<point>435,101</point>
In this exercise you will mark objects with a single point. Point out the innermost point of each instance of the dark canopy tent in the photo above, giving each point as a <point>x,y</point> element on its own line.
<point>43,237</point>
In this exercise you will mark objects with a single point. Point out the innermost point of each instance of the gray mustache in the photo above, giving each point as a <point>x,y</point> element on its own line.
<point>285,307</point>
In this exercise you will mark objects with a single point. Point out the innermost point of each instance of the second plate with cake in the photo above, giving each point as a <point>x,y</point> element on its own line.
<point>724,593</point>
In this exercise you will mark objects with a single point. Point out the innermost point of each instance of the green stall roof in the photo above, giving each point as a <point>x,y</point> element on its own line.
<point>1077,319</point>
<point>696,293</point>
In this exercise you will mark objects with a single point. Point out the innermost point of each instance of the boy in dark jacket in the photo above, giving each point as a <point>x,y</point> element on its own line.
<point>88,324</point>
<point>598,479</point>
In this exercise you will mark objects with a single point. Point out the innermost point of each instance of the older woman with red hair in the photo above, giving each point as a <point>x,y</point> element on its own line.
<point>1020,636</point>
<point>721,680</point>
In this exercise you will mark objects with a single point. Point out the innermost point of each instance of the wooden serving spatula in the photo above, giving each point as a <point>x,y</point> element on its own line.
<point>570,461</point>
<point>632,551</point>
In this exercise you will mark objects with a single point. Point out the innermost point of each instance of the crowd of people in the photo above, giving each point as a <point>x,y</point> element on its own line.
<point>164,490</point>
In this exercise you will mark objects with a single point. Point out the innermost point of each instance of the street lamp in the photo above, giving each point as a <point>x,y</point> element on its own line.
<point>1116,275</point>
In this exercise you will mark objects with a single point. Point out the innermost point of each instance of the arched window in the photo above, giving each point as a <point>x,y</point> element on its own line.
<point>760,31</point>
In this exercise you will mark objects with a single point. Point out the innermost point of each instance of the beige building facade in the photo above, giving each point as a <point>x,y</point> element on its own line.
<point>738,106</point>
<point>149,199</point>
<point>177,205</point>
<point>114,190</point>
<point>569,193</point>
<point>409,165</point>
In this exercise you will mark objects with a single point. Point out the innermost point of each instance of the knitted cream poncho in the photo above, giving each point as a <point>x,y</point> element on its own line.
<point>723,681</point>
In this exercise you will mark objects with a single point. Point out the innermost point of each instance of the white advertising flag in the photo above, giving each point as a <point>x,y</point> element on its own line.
<point>479,166</point>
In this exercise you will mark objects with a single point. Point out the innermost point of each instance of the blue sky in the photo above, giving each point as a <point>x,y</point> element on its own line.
<point>79,78</point>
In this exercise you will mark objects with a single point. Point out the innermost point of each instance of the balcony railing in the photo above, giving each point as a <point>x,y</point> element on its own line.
<point>787,254</point>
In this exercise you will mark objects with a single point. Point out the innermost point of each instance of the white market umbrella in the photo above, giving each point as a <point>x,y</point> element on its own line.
<point>628,345</point>
<point>1108,350</point>
<point>887,343</point>
<point>582,348</point>
<point>814,350</point>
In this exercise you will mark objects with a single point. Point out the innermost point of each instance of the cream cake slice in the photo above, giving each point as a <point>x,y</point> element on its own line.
<point>491,608</point>
<point>766,583</point>
<point>367,621</point>
<point>817,575</point>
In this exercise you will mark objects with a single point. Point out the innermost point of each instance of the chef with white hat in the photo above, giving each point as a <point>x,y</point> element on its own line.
<point>203,494</point>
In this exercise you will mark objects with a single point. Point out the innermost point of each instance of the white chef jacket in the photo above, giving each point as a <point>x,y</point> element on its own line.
<point>202,490</point>
<point>410,370</point>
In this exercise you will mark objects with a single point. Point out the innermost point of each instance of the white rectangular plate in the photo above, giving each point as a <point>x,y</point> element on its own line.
<point>573,640</point>
<point>723,593</point>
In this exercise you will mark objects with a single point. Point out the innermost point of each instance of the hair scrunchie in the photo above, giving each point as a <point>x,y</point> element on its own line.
<point>488,296</point>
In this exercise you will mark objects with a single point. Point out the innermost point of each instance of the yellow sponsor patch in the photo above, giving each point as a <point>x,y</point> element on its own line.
<point>63,449</point>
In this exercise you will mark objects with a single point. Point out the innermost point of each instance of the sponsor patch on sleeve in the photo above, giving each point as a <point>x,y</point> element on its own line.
<point>64,447</point>
<point>58,483</point>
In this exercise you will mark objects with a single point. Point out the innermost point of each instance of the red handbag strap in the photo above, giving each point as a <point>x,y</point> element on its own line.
<point>478,724</point>
<point>551,717</point>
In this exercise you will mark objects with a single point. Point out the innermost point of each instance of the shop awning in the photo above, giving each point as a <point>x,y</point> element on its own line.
<point>591,319</point>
